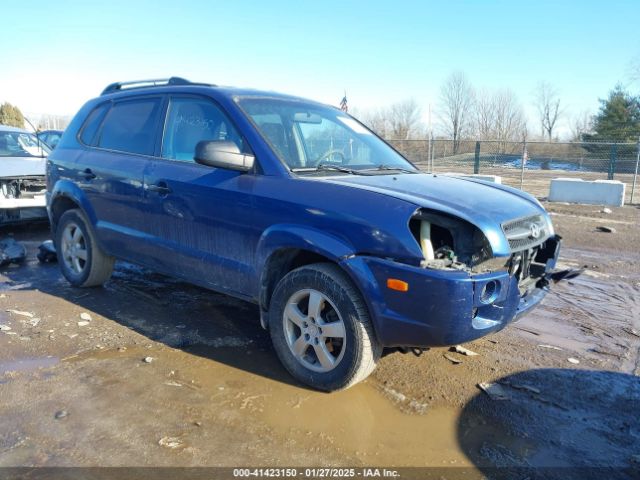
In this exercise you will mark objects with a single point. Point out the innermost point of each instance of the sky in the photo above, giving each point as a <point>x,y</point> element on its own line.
<point>56,55</point>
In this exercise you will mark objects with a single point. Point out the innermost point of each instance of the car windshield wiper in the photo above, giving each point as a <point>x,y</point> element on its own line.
<point>334,168</point>
<point>395,169</point>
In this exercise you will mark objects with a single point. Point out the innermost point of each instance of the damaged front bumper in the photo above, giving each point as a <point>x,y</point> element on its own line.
<point>22,199</point>
<point>445,307</point>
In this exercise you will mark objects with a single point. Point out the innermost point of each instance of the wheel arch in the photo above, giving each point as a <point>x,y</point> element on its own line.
<point>67,195</point>
<point>281,262</point>
<point>284,248</point>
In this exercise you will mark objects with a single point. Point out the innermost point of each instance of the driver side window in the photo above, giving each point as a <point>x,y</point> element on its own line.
<point>192,120</point>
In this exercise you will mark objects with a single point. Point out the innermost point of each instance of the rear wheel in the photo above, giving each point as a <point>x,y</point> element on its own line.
<point>320,328</point>
<point>81,261</point>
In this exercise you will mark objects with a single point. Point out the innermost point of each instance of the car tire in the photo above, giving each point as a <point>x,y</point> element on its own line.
<point>81,260</point>
<point>321,329</point>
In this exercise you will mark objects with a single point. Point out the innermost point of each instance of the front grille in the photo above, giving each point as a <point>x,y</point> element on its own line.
<point>527,232</point>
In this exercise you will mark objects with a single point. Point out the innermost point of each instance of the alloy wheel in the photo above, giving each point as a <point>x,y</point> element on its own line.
<point>74,248</point>
<point>314,330</point>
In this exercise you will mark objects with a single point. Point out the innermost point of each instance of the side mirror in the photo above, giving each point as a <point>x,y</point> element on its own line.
<point>223,154</point>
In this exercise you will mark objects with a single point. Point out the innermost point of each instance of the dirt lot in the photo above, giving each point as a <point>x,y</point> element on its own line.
<point>77,391</point>
<point>537,182</point>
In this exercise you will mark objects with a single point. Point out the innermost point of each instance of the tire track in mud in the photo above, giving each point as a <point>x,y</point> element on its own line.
<point>594,315</point>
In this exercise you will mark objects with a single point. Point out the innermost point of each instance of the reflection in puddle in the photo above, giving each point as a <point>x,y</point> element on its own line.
<point>27,364</point>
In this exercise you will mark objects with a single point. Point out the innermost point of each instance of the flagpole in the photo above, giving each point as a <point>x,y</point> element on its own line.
<point>343,103</point>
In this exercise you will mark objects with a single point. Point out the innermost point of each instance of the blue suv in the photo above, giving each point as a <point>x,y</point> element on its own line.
<point>347,248</point>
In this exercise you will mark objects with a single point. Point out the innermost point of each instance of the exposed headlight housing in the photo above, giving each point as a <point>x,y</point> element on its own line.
<point>425,240</point>
<point>448,242</point>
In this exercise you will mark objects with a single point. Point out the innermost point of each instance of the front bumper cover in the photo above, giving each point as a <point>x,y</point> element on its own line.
<point>444,307</point>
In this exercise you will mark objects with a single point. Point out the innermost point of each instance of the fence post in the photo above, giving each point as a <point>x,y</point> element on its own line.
<point>433,150</point>
<point>635,175</point>
<point>525,157</point>
<point>476,163</point>
<point>429,167</point>
<point>613,156</point>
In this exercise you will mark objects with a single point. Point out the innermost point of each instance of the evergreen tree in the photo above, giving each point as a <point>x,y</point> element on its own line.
<point>618,119</point>
<point>11,116</point>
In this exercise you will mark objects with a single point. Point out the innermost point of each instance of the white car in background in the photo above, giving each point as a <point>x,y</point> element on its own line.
<point>22,176</point>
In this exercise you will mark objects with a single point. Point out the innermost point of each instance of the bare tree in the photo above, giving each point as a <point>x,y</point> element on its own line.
<point>53,122</point>
<point>548,105</point>
<point>456,104</point>
<point>509,120</point>
<point>375,119</point>
<point>498,116</point>
<point>581,124</point>
<point>399,121</point>
<point>484,115</point>
<point>404,120</point>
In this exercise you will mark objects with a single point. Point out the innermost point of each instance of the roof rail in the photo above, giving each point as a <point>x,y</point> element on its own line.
<point>158,82</point>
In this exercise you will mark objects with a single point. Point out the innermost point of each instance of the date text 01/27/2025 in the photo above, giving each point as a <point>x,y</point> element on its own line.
<point>315,472</point>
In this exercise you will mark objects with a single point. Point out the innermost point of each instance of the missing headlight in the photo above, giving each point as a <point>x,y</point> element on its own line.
<point>425,240</point>
<point>447,242</point>
<point>433,238</point>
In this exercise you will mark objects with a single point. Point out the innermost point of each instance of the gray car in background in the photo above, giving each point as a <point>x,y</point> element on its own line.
<point>22,176</point>
<point>50,137</point>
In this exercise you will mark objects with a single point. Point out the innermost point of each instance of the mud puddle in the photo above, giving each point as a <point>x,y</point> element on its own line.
<point>361,424</point>
<point>26,364</point>
<point>181,405</point>
<point>178,406</point>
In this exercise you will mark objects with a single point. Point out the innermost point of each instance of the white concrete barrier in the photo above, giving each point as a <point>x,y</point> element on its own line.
<point>598,192</point>
<point>486,178</point>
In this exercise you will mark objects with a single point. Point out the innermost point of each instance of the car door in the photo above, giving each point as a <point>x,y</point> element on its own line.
<point>121,137</point>
<point>200,217</point>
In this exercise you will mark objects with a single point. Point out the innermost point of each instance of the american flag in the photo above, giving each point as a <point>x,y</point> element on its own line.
<point>343,103</point>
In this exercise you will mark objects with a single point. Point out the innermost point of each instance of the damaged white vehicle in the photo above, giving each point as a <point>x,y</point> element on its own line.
<point>22,176</point>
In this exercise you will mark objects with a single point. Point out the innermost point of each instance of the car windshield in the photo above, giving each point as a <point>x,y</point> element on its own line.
<point>22,144</point>
<point>310,137</point>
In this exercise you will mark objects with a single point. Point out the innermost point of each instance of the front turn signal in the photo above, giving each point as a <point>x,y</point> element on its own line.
<point>398,285</point>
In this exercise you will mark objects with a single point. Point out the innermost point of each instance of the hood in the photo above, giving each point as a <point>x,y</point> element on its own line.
<point>486,205</point>
<point>22,166</point>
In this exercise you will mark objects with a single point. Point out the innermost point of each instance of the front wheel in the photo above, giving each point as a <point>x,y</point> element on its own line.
<point>82,262</point>
<point>320,328</point>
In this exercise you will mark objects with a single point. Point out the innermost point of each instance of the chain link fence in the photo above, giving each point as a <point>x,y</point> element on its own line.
<point>543,161</point>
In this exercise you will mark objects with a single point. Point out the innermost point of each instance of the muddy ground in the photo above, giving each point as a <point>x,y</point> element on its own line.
<point>77,391</point>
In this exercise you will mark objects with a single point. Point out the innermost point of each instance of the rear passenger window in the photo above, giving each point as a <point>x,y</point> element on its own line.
<point>130,126</point>
<point>92,123</point>
<point>191,120</point>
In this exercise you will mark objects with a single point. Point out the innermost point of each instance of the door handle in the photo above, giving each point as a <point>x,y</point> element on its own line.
<point>88,174</point>
<point>160,188</point>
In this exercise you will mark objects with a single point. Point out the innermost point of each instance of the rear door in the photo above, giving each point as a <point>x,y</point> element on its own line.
<point>200,217</point>
<point>121,136</point>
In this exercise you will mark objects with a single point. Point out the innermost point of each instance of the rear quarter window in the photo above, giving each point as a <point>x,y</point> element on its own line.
<point>92,124</point>
<point>130,126</point>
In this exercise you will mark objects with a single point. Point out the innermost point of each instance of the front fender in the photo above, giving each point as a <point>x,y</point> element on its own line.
<point>275,245</point>
<point>282,236</point>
